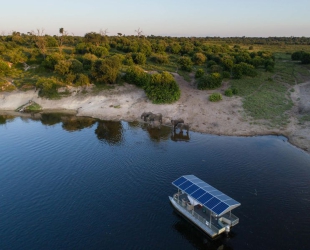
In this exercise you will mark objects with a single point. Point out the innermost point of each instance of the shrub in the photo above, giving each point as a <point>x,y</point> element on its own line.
<point>269,65</point>
<point>63,67</point>
<point>81,80</point>
<point>199,73</point>
<point>211,81</point>
<point>51,60</point>
<point>139,58</point>
<point>106,70</point>
<point>199,58</point>
<point>70,78</point>
<point>297,56</point>
<point>211,63</point>
<point>237,71</point>
<point>226,74</point>
<point>136,75</point>
<point>48,87</point>
<point>76,66</point>
<point>216,69</point>
<point>235,91</point>
<point>100,51</point>
<point>159,58</point>
<point>248,69</point>
<point>4,68</point>
<point>163,88</point>
<point>228,92</point>
<point>305,58</point>
<point>215,97</point>
<point>186,63</point>
<point>88,61</point>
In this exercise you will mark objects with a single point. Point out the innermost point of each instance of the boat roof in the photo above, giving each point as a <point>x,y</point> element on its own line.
<point>218,202</point>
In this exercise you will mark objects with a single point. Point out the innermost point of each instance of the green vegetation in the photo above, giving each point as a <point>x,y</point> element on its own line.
<point>229,92</point>
<point>211,81</point>
<point>215,97</point>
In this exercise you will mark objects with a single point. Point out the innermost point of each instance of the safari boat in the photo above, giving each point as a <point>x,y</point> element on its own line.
<point>206,207</point>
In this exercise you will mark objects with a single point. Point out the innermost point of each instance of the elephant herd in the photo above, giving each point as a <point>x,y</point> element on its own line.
<point>152,118</point>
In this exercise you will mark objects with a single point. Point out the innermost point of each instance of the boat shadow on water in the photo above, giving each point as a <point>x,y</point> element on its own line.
<point>198,238</point>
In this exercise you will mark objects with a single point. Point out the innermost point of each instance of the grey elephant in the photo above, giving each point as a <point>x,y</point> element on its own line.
<point>182,126</point>
<point>155,117</point>
<point>176,122</point>
<point>145,115</point>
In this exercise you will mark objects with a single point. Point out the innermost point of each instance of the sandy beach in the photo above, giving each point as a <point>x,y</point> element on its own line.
<point>128,102</point>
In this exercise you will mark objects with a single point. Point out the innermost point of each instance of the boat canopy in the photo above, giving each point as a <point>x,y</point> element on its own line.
<point>213,199</point>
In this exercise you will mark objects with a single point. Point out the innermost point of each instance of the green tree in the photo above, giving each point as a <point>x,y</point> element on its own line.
<point>63,67</point>
<point>186,63</point>
<point>139,58</point>
<point>106,70</point>
<point>163,88</point>
<point>199,58</point>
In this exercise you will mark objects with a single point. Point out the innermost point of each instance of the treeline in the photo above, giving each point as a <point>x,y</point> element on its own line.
<point>100,59</point>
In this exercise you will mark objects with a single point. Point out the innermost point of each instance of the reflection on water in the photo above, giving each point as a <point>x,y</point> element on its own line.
<point>180,136</point>
<point>74,123</point>
<point>157,133</point>
<point>6,118</point>
<point>110,132</point>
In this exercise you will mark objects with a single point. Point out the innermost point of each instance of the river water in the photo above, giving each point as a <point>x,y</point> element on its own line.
<point>68,182</point>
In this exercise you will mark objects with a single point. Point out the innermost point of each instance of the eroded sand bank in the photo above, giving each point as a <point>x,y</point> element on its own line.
<point>128,102</point>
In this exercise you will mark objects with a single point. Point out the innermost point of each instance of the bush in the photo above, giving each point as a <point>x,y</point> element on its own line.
<point>305,58</point>
<point>199,58</point>
<point>237,71</point>
<point>81,80</point>
<point>159,58</point>
<point>63,67</point>
<point>88,61</point>
<point>139,58</point>
<point>229,92</point>
<point>136,75</point>
<point>216,69</point>
<point>235,91</point>
<point>215,97</point>
<point>4,68</point>
<point>211,81</point>
<point>106,70</point>
<point>51,60</point>
<point>163,88</point>
<point>226,74</point>
<point>199,73</point>
<point>297,56</point>
<point>186,63</point>
<point>100,51</point>
<point>48,87</point>
<point>76,66</point>
<point>211,63</point>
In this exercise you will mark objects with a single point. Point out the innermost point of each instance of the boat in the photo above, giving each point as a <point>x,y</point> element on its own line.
<point>206,207</point>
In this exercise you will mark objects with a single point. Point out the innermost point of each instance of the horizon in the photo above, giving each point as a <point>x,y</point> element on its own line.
<point>260,19</point>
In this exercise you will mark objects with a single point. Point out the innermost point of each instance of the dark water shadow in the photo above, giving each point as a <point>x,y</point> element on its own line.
<point>6,118</point>
<point>197,238</point>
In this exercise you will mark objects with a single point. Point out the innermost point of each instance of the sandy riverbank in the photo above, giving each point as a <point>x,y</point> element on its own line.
<point>128,102</point>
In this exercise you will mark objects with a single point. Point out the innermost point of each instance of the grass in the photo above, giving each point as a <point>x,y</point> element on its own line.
<point>265,100</point>
<point>304,118</point>
<point>33,107</point>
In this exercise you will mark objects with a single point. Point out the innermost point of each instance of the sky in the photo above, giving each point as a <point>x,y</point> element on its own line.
<point>200,18</point>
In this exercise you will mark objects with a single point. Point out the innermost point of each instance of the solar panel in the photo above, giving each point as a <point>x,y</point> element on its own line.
<point>210,197</point>
<point>219,208</point>
<point>212,203</point>
<point>191,189</point>
<point>185,185</point>
<point>179,181</point>
<point>198,193</point>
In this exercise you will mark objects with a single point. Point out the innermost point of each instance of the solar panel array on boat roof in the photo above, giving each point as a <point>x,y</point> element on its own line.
<point>205,194</point>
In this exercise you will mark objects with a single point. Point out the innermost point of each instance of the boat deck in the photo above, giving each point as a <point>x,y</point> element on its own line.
<point>204,215</point>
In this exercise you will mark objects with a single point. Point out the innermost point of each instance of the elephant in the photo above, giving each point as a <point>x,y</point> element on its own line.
<point>145,115</point>
<point>176,122</point>
<point>155,117</point>
<point>182,126</point>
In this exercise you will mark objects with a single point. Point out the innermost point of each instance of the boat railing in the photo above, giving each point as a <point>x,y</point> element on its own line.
<point>198,217</point>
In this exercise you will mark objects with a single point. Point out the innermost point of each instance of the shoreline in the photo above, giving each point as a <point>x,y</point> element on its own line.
<point>128,103</point>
